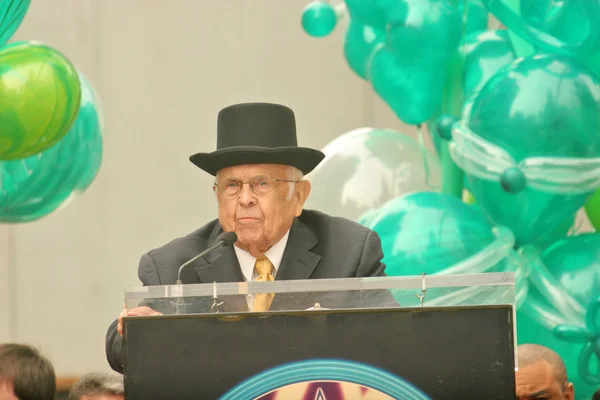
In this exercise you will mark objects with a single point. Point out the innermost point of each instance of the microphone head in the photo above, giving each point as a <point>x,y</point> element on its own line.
<point>228,238</point>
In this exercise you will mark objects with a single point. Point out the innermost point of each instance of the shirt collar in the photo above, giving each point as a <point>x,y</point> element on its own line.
<point>274,254</point>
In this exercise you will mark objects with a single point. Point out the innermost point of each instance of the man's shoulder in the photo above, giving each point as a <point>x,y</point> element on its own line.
<point>346,248</point>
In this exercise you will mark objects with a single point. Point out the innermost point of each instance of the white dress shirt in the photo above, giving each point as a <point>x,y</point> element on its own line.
<point>247,261</point>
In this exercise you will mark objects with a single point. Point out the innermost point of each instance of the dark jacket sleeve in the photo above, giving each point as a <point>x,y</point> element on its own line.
<point>148,274</point>
<point>370,263</point>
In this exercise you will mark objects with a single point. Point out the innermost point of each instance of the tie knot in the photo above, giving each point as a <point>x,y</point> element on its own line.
<point>263,266</point>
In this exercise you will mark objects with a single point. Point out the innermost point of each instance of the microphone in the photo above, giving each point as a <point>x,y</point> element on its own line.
<point>224,239</point>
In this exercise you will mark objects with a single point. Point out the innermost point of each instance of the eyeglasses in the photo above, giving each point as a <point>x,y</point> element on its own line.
<point>260,185</point>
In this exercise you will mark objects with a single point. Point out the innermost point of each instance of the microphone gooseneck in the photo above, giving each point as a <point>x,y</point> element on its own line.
<point>224,240</point>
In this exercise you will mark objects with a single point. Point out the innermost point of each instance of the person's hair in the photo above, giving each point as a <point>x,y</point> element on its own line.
<point>533,353</point>
<point>97,384</point>
<point>294,174</point>
<point>596,395</point>
<point>30,374</point>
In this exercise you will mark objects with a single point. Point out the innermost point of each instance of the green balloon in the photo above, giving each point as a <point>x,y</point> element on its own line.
<point>12,13</point>
<point>592,209</point>
<point>40,95</point>
<point>36,186</point>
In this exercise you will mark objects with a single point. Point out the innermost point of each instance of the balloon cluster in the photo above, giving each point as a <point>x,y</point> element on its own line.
<point>514,114</point>
<point>50,125</point>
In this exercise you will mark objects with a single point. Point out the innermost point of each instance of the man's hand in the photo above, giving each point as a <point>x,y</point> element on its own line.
<point>135,312</point>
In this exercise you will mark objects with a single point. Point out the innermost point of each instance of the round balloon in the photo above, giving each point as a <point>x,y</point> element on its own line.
<point>366,167</point>
<point>592,209</point>
<point>485,54</point>
<point>563,290</point>
<point>12,13</point>
<point>428,232</point>
<point>39,99</point>
<point>434,233</point>
<point>537,112</point>
<point>36,186</point>
<point>318,19</point>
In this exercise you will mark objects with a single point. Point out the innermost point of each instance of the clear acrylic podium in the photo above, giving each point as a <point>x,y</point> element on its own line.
<point>420,337</point>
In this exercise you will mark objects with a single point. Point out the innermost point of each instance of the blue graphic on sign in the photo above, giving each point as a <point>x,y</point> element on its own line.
<point>323,380</point>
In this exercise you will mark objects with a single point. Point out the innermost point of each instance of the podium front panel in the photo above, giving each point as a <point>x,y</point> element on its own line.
<point>418,353</point>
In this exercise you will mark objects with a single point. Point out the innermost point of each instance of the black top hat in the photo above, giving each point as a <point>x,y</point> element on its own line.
<point>257,133</point>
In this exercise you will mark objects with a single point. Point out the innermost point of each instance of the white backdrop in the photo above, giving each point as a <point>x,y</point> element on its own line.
<point>163,69</point>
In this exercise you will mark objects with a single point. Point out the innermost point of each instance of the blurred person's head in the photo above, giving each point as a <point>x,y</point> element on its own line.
<point>596,395</point>
<point>98,386</point>
<point>541,375</point>
<point>25,374</point>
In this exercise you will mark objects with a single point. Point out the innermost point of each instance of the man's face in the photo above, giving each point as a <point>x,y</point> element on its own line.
<point>538,381</point>
<point>259,219</point>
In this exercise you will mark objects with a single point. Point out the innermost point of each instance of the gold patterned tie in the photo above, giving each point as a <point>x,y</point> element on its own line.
<point>264,272</point>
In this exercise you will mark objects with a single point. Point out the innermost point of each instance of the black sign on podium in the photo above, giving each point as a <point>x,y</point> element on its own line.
<point>443,337</point>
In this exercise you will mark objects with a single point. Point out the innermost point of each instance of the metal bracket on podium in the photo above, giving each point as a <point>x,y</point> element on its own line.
<point>216,303</point>
<point>421,296</point>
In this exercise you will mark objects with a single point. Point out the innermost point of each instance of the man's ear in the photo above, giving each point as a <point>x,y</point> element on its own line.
<point>569,392</point>
<point>301,193</point>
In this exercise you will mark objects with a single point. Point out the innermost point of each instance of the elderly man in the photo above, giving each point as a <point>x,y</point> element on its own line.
<point>541,375</point>
<point>98,386</point>
<point>25,373</point>
<point>258,169</point>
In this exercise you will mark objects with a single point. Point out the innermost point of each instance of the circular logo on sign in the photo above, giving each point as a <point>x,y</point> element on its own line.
<point>324,380</point>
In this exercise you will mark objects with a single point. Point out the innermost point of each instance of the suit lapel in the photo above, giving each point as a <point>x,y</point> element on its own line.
<point>298,261</point>
<point>220,265</point>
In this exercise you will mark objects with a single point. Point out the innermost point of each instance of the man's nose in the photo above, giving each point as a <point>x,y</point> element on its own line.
<point>247,198</point>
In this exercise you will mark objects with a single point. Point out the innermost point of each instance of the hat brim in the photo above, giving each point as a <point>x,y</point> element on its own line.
<point>303,158</point>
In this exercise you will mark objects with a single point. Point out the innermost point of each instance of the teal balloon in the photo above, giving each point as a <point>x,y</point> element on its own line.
<point>34,187</point>
<point>568,28</point>
<point>12,13</point>
<point>574,267</point>
<point>318,19</point>
<point>485,53</point>
<point>593,63</point>
<point>513,180</point>
<point>575,262</point>
<point>409,72</point>
<point>411,90</point>
<point>562,230</point>
<point>359,46</point>
<point>476,15</point>
<point>440,131</point>
<point>377,13</point>
<point>444,126</point>
<point>429,32</point>
<point>428,232</point>
<point>544,106</point>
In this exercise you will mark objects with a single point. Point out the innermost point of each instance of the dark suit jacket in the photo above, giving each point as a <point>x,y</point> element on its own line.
<point>319,246</point>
